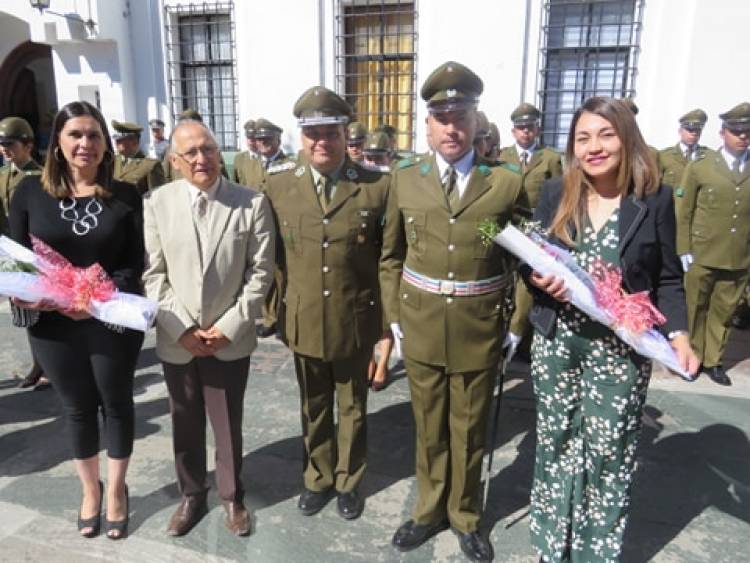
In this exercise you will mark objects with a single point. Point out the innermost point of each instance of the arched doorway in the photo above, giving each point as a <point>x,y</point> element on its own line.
<point>28,88</point>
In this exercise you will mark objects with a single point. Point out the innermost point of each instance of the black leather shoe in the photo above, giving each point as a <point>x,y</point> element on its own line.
<point>475,547</point>
<point>264,331</point>
<point>411,535</point>
<point>312,502</point>
<point>350,505</point>
<point>718,375</point>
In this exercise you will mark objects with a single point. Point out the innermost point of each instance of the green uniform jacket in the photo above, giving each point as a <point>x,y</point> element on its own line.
<point>332,307</point>
<point>144,173</point>
<point>422,233</point>
<point>672,163</point>
<point>8,184</point>
<point>248,170</point>
<point>713,218</point>
<point>544,164</point>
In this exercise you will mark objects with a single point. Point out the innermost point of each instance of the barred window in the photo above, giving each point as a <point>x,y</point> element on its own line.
<point>375,63</point>
<point>589,48</point>
<point>201,65</point>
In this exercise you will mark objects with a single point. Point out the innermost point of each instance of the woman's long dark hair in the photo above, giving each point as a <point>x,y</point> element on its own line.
<point>56,178</point>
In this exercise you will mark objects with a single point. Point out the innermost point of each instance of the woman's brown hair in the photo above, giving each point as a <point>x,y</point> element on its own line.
<point>56,177</point>
<point>638,173</point>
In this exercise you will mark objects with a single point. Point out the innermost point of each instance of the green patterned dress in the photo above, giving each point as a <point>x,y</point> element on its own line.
<point>590,389</point>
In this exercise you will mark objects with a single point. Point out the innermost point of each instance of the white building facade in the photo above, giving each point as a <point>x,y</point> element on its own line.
<point>242,59</point>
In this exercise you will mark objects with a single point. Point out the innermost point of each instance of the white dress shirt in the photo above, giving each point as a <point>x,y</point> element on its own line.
<point>730,158</point>
<point>463,170</point>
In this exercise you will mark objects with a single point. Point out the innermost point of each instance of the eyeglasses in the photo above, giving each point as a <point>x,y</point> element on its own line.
<point>192,155</point>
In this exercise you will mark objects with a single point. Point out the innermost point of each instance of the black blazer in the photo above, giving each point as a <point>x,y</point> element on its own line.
<point>648,259</point>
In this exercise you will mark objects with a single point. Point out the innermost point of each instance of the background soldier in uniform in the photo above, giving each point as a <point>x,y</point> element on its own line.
<point>131,165</point>
<point>447,291</point>
<point>16,147</point>
<point>329,213</point>
<point>536,164</point>
<point>247,170</point>
<point>159,144</point>
<point>493,143</point>
<point>713,239</point>
<point>673,160</point>
<point>355,140</point>
<point>377,151</point>
<point>482,136</point>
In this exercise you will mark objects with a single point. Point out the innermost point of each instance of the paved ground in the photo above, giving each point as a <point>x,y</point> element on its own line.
<point>691,502</point>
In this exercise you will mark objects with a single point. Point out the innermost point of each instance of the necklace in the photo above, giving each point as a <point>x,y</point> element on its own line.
<point>81,224</point>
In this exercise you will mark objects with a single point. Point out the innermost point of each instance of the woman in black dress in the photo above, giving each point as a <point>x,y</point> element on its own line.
<point>77,209</point>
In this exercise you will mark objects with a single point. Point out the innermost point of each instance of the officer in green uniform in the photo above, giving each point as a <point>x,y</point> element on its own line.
<point>713,239</point>
<point>392,133</point>
<point>493,143</point>
<point>355,139</point>
<point>131,165</point>
<point>329,212</point>
<point>445,293</point>
<point>270,158</point>
<point>673,160</point>
<point>247,170</point>
<point>536,164</point>
<point>171,173</point>
<point>377,152</point>
<point>16,148</point>
<point>482,136</point>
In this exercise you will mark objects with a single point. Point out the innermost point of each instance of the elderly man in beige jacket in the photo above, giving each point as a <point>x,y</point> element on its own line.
<point>210,247</point>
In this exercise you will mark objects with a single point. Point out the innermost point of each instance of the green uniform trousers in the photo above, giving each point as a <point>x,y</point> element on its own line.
<point>712,297</point>
<point>523,300</point>
<point>331,458</point>
<point>450,414</point>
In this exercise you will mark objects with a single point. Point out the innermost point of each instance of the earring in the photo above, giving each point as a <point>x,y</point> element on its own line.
<point>59,157</point>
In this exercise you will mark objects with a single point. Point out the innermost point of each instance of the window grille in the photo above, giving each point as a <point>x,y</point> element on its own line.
<point>375,55</point>
<point>201,65</point>
<point>587,48</point>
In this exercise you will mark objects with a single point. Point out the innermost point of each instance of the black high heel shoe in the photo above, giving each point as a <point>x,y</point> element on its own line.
<point>94,522</point>
<point>120,526</point>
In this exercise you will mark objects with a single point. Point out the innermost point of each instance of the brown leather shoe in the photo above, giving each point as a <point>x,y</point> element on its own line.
<point>188,514</point>
<point>238,519</point>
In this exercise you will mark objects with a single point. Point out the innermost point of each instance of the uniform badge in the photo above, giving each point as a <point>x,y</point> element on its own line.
<point>299,171</point>
<point>425,168</point>
<point>484,169</point>
<point>364,212</point>
<point>361,238</point>
<point>412,236</point>
<point>679,192</point>
<point>450,92</point>
<point>351,173</point>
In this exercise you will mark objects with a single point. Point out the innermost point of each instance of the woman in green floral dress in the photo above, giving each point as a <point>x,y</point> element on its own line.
<point>590,386</point>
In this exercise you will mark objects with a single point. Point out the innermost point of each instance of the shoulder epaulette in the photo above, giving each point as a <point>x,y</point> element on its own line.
<point>276,168</point>
<point>405,163</point>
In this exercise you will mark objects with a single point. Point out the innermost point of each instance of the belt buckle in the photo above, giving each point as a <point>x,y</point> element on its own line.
<point>447,287</point>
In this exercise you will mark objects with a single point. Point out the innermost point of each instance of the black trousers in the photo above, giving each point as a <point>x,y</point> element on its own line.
<point>90,367</point>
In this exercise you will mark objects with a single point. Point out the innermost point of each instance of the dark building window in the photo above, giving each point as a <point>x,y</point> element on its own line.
<point>589,47</point>
<point>201,65</point>
<point>375,63</point>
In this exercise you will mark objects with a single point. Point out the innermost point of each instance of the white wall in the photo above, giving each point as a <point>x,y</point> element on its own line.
<point>694,54</point>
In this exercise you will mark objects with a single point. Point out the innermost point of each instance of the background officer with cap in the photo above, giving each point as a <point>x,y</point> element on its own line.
<point>444,292</point>
<point>377,151</point>
<point>713,238</point>
<point>16,148</point>
<point>131,165</point>
<point>329,212</point>
<point>493,143</point>
<point>673,160</point>
<point>159,144</point>
<point>536,164</point>
<point>482,136</point>
<point>170,172</point>
<point>392,133</point>
<point>246,169</point>
<point>355,139</point>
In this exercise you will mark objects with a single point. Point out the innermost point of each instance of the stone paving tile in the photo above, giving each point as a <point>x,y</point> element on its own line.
<point>691,500</point>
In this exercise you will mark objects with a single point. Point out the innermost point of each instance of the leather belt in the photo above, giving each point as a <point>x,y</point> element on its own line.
<point>455,288</point>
